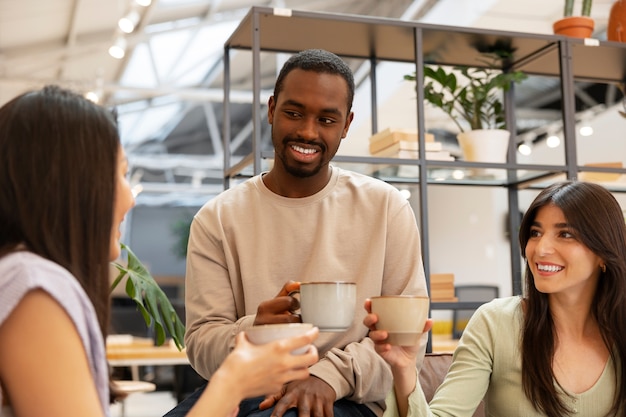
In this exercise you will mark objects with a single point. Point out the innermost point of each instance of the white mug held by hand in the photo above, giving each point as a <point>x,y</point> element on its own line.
<point>328,305</point>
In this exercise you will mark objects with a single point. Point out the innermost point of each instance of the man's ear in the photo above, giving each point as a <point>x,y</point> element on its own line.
<point>271,106</point>
<point>347,125</point>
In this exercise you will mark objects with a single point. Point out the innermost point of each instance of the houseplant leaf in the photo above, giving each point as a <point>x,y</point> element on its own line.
<point>151,301</point>
<point>475,94</point>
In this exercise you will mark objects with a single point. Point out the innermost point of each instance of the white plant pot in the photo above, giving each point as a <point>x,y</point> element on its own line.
<point>484,145</point>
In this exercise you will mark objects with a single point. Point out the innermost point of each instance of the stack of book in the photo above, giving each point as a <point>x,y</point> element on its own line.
<point>398,143</point>
<point>442,288</point>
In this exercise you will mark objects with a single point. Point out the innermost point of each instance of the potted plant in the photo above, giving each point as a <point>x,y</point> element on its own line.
<point>151,301</point>
<point>575,26</point>
<point>472,97</point>
<point>616,30</point>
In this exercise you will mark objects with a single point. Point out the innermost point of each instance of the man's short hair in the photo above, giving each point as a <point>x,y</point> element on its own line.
<point>317,60</point>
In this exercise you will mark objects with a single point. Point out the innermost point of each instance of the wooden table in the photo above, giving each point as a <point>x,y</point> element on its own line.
<point>124,350</point>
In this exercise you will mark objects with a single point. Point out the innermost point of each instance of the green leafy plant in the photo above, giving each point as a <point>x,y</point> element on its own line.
<point>473,94</point>
<point>151,301</point>
<point>569,8</point>
<point>181,228</point>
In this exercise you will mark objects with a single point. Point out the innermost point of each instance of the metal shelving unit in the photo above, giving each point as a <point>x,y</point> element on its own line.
<point>383,39</point>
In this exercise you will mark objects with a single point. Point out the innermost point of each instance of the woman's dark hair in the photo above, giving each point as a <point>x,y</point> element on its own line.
<point>596,218</point>
<point>320,61</point>
<point>58,159</point>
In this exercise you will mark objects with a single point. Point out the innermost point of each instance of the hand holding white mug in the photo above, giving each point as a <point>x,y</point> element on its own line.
<point>281,308</point>
<point>328,305</point>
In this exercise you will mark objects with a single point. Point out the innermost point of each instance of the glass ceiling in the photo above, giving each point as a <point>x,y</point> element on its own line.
<point>174,55</point>
<point>169,100</point>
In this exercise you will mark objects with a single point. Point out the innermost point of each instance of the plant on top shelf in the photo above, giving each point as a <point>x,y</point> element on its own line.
<point>577,26</point>
<point>472,94</point>
<point>151,301</point>
<point>569,8</point>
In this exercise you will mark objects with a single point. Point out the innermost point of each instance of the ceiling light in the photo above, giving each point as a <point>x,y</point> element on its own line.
<point>524,148</point>
<point>118,49</point>
<point>553,141</point>
<point>92,96</point>
<point>457,174</point>
<point>128,23</point>
<point>586,130</point>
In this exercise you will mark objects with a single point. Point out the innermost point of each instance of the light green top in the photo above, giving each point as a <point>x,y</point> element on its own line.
<point>487,363</point>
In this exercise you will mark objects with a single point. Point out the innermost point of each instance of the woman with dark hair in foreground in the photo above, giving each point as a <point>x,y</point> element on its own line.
<point>63,195</point>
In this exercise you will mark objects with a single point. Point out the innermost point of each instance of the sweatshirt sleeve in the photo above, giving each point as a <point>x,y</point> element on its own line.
<point>211,312</point>
<point>468,378</point>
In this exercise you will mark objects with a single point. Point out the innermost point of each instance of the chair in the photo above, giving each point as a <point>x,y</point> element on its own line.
<point>129,387</point>
<point>470,293</point>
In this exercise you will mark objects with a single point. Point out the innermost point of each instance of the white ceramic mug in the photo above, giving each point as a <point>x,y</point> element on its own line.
<point>265,333</point>
<point>328,305</point>
<point>403,316</point>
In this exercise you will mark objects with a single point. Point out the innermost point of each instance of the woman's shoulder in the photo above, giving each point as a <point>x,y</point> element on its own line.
<point>22,271</point>
<point>500,308</point>
<point>28,264</point>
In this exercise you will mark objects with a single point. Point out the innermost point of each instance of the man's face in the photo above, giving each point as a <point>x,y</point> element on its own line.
<point>309,118</point>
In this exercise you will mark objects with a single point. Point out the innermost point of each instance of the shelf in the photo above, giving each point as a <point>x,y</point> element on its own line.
<point>406,171</point>
<point>455,305</point>
<point>382,39</point>
<point>388,39</point>
<point>458,172</point>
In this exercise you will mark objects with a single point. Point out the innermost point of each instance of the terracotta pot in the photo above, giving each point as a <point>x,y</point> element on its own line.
<point>616,30</point>
<point>574,26</point>
<point>484,145</point>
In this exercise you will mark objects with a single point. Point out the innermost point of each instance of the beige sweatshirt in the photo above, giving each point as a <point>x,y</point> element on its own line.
<point>246,243</point>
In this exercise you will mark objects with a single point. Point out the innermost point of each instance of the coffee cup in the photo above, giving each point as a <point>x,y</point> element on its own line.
<point>328,305</point>
<point>402,316</point>
<point>265,333</point>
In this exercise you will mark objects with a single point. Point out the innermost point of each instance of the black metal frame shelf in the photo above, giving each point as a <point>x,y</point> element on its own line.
<point>383,39</point>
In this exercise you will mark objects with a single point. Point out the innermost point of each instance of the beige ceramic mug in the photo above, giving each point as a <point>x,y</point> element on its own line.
<point>403,316</point>
<point>328,305</point>
<point>265,333</point>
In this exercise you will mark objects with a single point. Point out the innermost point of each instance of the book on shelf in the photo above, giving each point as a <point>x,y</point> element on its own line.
<point>601,176</point>
<point>388,137</point>
<point>395,152</point>
<point>407,145</point>
<point>442,287</point>
<point>442,278</point>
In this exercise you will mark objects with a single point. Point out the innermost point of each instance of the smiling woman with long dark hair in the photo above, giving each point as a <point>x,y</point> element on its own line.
<point>559,350</point>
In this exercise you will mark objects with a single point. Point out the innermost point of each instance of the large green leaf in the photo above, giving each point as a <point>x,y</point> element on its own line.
<point>151,301</point>
<point>475,96</point>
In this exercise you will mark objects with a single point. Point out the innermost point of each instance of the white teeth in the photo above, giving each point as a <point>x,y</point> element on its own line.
<point>303,150</point>
<point>549,268</point>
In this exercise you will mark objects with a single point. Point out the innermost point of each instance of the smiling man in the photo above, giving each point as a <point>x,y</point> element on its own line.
<point>304,220</point>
